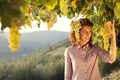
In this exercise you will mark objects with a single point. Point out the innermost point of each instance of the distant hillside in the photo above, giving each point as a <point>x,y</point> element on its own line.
<point>44,64</point>
<point>30,42</point>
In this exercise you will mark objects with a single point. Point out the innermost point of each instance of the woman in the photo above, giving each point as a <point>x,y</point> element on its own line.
<point>81,59</point>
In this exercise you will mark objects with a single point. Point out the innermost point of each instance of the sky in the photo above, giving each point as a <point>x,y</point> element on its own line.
<point>62,24</point>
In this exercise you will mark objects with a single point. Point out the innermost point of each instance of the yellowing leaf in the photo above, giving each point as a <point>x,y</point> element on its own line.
<point>117,10</point>
<point>73,4</point>
<point>118,5</point>
<point>51,4</point>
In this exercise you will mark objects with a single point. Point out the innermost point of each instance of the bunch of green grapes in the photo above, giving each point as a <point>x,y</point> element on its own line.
<point>64,7</point>
<point>106,32</point>
<point>75,26</point>
<point>14,38</point>
<point>52,18</point>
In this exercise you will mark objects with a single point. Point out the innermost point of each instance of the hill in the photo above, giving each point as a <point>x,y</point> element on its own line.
<point>43,64</point>
<point>29,43</point>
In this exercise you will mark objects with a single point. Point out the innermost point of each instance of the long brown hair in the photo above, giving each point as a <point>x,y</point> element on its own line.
<point>83,22</point>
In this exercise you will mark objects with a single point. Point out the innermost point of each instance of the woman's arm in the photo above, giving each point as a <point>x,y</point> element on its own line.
<point>113,48</point>
<point>68,66</point>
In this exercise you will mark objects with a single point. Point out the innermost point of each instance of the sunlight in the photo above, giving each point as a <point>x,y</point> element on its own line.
<point>62,24</point>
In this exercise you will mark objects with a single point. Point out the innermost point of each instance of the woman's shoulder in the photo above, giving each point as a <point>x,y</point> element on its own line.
<point>70,50</point>
<point>70,47</point>
<point>67,50</point>
<point>96,47</point>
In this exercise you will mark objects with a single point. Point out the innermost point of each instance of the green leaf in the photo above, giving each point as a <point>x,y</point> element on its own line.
<point>71,13</point>
<point>80,5</point>
<point>118,51</point>
<point>51,4</point>
<point>0,19</point>
<point>5,22</point>
<point>118,5</point>
<point>117,11</point>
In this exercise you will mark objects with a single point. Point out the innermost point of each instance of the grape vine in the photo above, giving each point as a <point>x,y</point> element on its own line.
<point>24,11</point>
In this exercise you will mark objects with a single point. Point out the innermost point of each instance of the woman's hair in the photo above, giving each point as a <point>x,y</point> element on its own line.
<point>83,22</point>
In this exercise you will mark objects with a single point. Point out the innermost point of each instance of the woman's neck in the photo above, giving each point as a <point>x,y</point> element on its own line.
<point>82,43</point>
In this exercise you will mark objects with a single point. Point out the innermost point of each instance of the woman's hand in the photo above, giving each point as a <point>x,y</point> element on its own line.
<point>111,27</point>
<point>113,49</point>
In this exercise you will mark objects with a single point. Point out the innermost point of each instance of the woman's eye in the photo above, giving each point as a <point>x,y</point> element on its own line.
<point>84,31</point>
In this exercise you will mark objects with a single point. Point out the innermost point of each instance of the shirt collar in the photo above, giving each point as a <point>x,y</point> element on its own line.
<point>84,47</point>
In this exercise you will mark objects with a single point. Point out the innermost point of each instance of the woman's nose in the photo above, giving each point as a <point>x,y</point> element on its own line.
<point>88,35</point>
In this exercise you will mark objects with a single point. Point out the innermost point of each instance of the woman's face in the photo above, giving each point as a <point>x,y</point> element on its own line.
<point>85,34</point>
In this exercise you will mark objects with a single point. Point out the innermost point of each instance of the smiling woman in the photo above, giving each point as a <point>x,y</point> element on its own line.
<point>81,58</point>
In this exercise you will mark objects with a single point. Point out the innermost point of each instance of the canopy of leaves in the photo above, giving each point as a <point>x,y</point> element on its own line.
<point>24,11</point>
